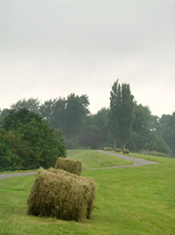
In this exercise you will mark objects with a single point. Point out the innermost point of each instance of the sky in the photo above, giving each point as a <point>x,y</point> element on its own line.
<point>52,48</point>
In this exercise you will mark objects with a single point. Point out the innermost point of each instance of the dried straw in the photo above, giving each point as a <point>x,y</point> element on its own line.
<point>60,194</point>
<point>69,165</point>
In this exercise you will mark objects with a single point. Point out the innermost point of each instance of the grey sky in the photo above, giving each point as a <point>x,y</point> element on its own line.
<point>52,48</point>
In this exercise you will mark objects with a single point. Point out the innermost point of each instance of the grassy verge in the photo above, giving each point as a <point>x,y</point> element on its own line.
<point>131,201</point>
<point>93,159</point>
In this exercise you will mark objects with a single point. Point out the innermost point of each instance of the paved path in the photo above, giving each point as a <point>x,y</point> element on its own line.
<point>4,176</point>
<point>137,162</point>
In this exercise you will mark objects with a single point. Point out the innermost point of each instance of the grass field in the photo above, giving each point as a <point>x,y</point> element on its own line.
<point>136,200</point>
<point>93,159</point>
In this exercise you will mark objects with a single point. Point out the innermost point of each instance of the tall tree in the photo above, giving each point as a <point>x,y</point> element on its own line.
<point>115,112</point>
<point>126,116</point>
<point>121,113</point>
<point>75,111</point>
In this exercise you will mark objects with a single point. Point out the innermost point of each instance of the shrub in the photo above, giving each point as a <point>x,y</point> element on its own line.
<point>60,194</point>
<point>32,140</point>
<point>69,165</point>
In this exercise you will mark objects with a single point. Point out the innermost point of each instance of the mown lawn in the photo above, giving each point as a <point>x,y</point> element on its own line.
<point>137,200</point>
<point>93,159</point>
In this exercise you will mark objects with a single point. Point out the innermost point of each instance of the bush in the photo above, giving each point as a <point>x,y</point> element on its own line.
<point>32,140</point>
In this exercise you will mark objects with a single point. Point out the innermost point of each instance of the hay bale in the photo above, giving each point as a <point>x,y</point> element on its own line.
<point>126,151</point>
<point>108,149</point>
<point>118,150</point>
<point>60,194</point>
<point>69,165</point>
<point>89,195</point>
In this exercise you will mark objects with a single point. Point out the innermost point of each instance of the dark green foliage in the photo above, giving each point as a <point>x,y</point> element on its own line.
<point>17,118</point>
<point>30,104</point>
<point>156,143</point>
<point>84,130</point>
<point>121,113</point>
<point>140,128</point>
<point>4,113</point>
<point>92,139</point>
<point>126,116</point>
<point>115,112</point>
<point>66,114</point>
<point>30,141</point>
<point>167,130</point>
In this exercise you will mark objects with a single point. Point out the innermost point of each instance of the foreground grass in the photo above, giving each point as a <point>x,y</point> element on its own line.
<point>93,159</point>
<point>138,200</point>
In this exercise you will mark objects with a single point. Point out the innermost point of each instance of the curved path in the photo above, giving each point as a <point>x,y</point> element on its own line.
<point>4,176</point>
<point>137,162</point>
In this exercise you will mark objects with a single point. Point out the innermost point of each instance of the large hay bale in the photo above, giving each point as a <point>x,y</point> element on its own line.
<point>60,194</point>
<point>118,150</point>
<point>89,195</point>
<point>69,165</point>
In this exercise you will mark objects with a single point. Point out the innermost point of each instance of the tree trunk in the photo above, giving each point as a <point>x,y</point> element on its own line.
<point>115,142</point>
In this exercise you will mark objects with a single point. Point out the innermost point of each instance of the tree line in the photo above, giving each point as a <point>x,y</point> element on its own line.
<point>125,124</point>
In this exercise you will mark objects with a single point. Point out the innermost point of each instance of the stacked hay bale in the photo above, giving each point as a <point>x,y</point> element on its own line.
<point>69,165</point>
<point>60,194</point>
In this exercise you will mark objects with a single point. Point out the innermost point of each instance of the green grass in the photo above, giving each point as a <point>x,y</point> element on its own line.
<point>20,171</point>
<point>93,159</point>
<point>136,200</point>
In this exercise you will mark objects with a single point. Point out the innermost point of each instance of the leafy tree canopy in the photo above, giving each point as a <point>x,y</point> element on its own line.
<point>29,141</point>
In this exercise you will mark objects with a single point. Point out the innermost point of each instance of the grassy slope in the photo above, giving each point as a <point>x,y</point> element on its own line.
<point>139,200</point>
<point>93,159</point>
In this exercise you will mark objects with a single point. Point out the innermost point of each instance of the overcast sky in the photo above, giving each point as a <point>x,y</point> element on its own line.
<point>51,48</point>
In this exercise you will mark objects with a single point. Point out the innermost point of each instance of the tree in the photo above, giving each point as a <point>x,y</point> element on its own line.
<point>140,127</point>
<point>32,139</point>
<point>156,143</point>
<point>4,113</point>
<point>120,113</point>
<point>66,114</point>
<point>16,118</point>
<point>75,111</point>
<point>115,112</point>
<point>167,130</point>
<point>93,139</point>
<point>30,104</point>
<point>100,119</point>
<point>126,116</point>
